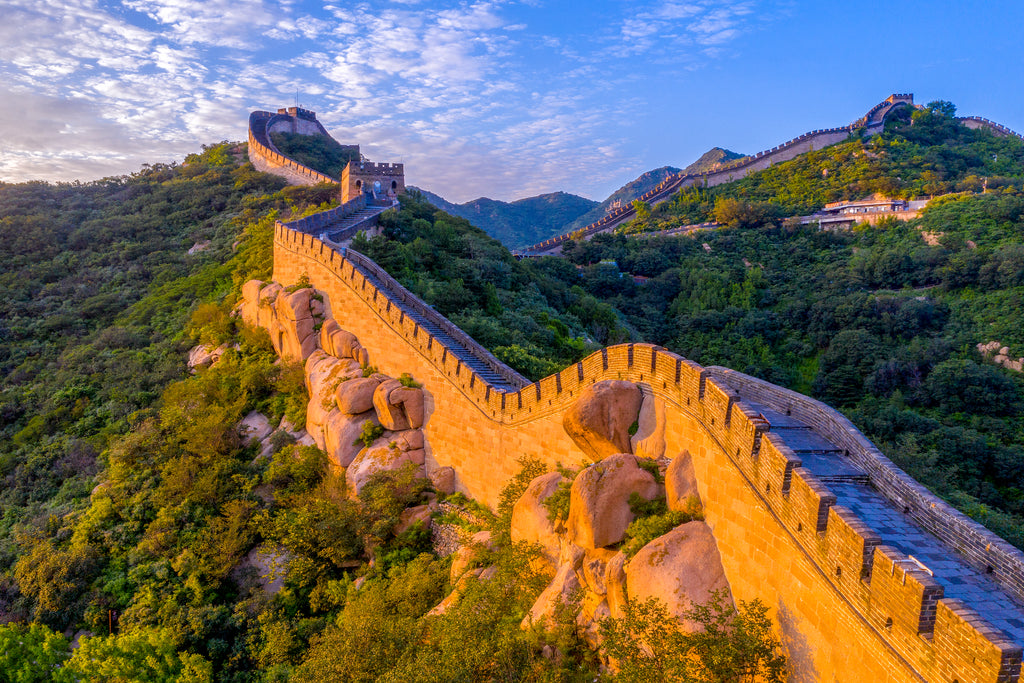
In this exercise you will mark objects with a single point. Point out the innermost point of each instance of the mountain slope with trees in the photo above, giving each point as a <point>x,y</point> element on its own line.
<point>131,501</point>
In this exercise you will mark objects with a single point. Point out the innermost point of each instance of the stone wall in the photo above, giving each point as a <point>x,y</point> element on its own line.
<point>735,170</point>
<point>976,122</point>
<point>849,608</point>
<point>266,157</point>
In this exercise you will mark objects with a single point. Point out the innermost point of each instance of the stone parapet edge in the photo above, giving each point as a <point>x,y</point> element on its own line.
<point>984,550</point>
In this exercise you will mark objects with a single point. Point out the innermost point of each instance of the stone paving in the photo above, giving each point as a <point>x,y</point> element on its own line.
<point>853,490</point>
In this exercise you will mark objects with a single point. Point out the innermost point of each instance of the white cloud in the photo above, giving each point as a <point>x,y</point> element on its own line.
<point>692,29</point>
<point>224,23</point>
<point>456,93</point>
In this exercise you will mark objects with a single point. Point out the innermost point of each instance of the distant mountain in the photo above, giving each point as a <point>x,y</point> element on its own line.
<point>711,158</point>
<point>625,194</point>
<point>519,223</point>
<point>633,189</point>
<point>534,219</point>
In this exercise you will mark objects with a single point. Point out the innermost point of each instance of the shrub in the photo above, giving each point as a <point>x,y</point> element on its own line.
<point>729,645</point>
<point>407,381</point>
<point>371,432</point>
<point>557,503</point>
<point>529,469</point>
<point>645,529</point>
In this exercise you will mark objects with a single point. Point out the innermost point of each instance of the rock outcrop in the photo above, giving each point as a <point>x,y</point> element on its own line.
<point>649,440</point>
<point>681,483</point>
<point>355,396</point>
<point>291,319</point>
<point>680,569</point>
<point>383,455</point>
<point>1000,355</point>
<point>530,521</point>
<point>600,420</point>
<point>560,591</point>
<point>398,406</point>
<point>599,509</point>
<point>341,433</point>
<point>203,356</point>
<point>341,401</point>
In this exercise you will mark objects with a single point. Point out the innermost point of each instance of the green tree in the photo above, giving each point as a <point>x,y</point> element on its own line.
<point>727,645</point>
<point>30,654</point>
<point>148,656</point>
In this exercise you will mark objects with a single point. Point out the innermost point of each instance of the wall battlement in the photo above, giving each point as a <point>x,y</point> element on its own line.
<point>297,113</point>
<point>882,595</point>
<point>382,168</point>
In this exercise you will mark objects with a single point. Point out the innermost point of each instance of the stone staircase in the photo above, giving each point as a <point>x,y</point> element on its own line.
<point>337,231</point>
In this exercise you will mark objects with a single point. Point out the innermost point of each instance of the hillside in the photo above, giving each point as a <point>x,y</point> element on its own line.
<point>927,154</point>
<point>517,223</point>
<point>130,498</point>
<point>624,194</point>
<point>320,153</point>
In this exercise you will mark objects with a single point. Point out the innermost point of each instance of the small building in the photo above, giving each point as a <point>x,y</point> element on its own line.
<point>844,214</point>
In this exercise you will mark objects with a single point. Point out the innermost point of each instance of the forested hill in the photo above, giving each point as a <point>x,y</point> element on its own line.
<point>128,498</point>
<point>920,154</point>
<point>648,181</point>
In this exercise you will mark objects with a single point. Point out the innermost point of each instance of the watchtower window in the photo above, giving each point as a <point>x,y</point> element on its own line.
<point>359,184</point>
<point>394,184</point>
<point>376,186</point>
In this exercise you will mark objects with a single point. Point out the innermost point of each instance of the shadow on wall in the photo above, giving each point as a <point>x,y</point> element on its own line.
<point>798,650</point>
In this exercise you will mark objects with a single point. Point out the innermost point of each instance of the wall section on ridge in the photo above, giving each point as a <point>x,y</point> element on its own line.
<point>779,531</point>
<point>872,122</point>
<point>268,159</point>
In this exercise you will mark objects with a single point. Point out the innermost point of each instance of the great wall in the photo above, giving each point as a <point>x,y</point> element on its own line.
<point>867,574</point>
<point>871,122</point>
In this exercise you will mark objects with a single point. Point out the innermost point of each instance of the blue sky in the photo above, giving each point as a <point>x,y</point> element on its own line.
<point>490,98</point>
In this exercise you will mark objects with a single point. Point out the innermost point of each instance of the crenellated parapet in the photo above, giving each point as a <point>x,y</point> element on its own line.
<point>882,590</point>
<point>979,122</point>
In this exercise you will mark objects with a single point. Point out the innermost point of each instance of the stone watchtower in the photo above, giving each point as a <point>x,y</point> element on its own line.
<point>369,178</point>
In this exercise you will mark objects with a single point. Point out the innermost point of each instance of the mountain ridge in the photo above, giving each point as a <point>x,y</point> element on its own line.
<point>518,222</point>
<point>533,219</point>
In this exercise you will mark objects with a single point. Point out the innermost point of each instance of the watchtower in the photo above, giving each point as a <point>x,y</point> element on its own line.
<point>366,177</point>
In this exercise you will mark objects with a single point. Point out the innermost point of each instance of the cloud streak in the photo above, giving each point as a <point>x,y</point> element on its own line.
<point>469,95</point>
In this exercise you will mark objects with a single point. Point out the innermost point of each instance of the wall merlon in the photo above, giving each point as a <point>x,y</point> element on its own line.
<point>903,592</point>
<point>851,544</point>
<point>810,499</point>
<point>777,462</point>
